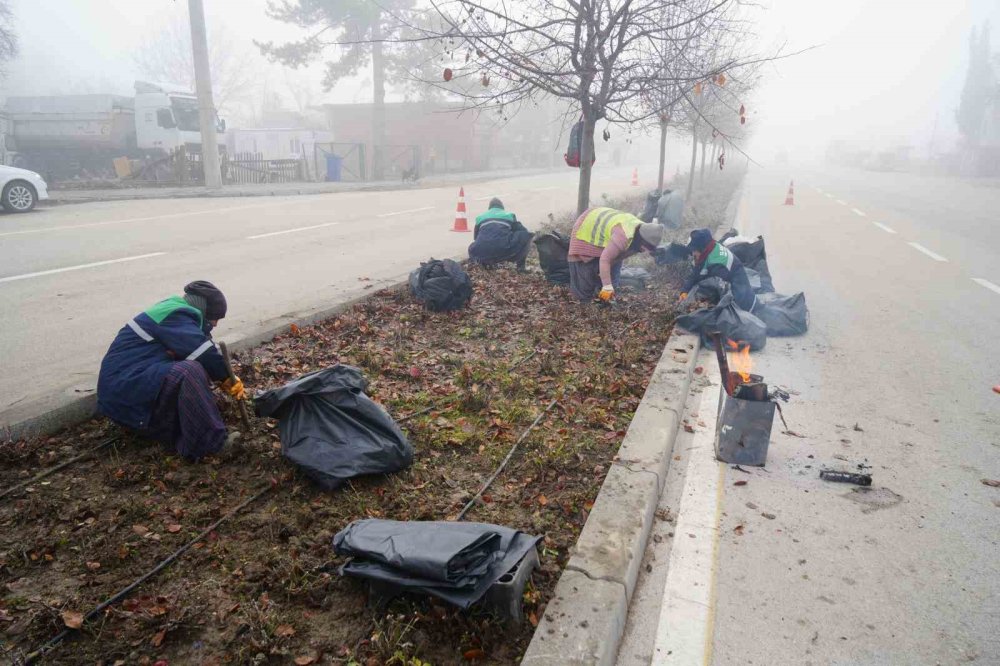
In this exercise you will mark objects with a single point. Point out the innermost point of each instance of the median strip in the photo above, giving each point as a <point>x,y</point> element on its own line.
<point>25,276</point>
<point>986,283</point>
<point>933,255</point>
<point>291,231</point>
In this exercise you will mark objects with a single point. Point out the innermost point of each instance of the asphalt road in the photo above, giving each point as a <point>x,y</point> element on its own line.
<point>70,276</point>
<point>901,274</point>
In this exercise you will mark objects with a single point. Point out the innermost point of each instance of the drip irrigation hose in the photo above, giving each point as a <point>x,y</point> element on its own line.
<point>63,465</point>
<point>506,460</point>
<point>124,592</point>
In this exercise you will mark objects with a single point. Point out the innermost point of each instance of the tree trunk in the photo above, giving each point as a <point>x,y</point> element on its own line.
<point>586,160</point>
<point>378,101</point>
<point>715,155</point>
<point>663,154</point>
<point>694,156</point>
<point>701,179</point>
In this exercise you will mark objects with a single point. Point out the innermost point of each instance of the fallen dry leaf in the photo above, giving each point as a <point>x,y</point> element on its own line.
<point>158,637</point>
<point>294,329</point>
<point>415,372</point>
<point>93,566</point>
<point>72,619</point>
<point>740,483</point>
<point>769,516</point>
<point>699,370</point>
<point>141,530</point>
<point>305,660</point>
<point>285,631</point>
<point>173,528</point>
<point>688,428</point>
<point>739,530</point>
<point>474,654</point>
<point>533,619</point>
<point>543,500</point>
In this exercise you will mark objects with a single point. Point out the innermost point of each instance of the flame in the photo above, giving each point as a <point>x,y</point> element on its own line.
<point>739,359</point>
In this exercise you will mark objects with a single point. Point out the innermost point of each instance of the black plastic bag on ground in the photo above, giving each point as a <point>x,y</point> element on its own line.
<point>634,277</point>
<point>649,210</point>
<point>766,284</point>
<point>455,561</point>
<point>710,290</point>
<point>671,254</point>
<point>728,319</point>
<point>783,315</point>
<point>753,255</point>
<point>332,430</point>
<point>441,285</point>
<point>553,250</point>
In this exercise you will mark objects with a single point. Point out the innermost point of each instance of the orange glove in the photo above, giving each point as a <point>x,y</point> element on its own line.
<point>683,296</point>
<point>607,294</point>
<point>234,388</point>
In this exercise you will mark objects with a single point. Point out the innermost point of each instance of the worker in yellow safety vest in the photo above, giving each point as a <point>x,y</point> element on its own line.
<point>602,239</point>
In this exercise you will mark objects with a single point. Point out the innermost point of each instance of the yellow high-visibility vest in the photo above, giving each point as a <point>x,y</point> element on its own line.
<point>599,223</point>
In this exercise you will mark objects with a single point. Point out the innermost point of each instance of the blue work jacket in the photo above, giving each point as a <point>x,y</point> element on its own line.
<point>142,353</point>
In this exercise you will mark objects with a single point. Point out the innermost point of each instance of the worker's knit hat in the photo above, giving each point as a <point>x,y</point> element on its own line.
<point>650,233</point>
<point>205,296</point>
<point>700,238</point>
<point>496,203</point>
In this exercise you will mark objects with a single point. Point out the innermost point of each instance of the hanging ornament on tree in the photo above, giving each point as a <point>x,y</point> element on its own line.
<point>606,135</point>
<point>722,159</point>
<point>448,74</point>
<point>721,79</point>
<point>743,120</point>
<point>485,80</point>
<point>743,110</point>
<point>697,88</point>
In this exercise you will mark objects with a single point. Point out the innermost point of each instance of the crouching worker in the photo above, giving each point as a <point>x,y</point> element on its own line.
<point>713,259</point>
<point>499,237</point>
<point>156,377</point>
<point>602,239</point>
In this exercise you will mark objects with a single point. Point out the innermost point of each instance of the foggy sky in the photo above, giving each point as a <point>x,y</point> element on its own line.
<point>881,73</point>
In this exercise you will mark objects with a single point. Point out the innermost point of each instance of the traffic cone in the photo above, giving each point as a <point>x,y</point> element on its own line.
<point>461,220</point>
<point>790,197</point>
<point>635,177</point>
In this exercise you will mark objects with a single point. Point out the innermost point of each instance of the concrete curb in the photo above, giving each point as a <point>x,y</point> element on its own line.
<point>585,620</point>
<point>75,404</point>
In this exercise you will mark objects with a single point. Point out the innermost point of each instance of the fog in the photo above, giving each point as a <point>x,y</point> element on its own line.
<point>882,74</point>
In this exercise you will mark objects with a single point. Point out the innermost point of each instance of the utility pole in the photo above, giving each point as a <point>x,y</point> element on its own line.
<point>206,107</point>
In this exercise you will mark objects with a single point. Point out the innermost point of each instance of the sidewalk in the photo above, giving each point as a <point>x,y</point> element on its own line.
<point>71,196</point>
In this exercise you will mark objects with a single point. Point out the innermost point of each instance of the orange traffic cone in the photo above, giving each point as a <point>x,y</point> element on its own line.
<point>790,197</point>
<point>635,177</point>
<point>461,220</point>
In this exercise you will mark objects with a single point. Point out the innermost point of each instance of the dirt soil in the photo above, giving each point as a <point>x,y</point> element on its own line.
<point>263,588</point>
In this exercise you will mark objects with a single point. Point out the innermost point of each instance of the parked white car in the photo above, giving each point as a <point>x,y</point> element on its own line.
<point>21,189</point>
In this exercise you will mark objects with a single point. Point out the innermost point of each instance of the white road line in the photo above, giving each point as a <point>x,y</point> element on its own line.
<point>404,212</point>
<point>828,195</point>
<point>986,283</point>
<point>684,630</point>
<point>70,227</point>
<point>933,255</point>
<point>25,276</point>
<point>841,202</point>
<point>858,212</point>
<point>819,190</point>
<point>888,230</point>
<point>291,231</point>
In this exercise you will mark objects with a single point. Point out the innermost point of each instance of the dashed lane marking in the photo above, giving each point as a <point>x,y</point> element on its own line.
<point>859,213</point>
<point>888,230</point>
<point>95,264</point>
<point>404,212</point>
<point>841,202</point>
<point>933,255</point>
<point>986,283</point>
<point>291,231</point>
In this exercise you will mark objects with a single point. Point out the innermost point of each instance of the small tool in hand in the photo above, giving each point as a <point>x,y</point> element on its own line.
<point>244,417</point>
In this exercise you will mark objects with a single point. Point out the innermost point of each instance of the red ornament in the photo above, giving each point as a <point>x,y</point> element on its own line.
<point>448,74</point>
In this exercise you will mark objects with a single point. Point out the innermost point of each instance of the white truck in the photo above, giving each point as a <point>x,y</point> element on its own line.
<point>79,136</point>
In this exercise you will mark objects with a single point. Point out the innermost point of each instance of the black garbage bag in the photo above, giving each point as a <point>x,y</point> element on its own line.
<point>753,277</point>
<point>332,430</point>
<point>634,277</point>
<point>441,285</point>
<point>710,290</point>
<point>671,254</point>
<point>728,319</point>
<point>455,561</point>
<point>553,250</point>
<point>783,315</point>
<point>766,284</point>
<point>753,255</point>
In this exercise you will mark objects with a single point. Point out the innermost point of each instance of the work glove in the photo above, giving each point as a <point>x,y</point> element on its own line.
<point>682,297</point>
<point>234,387</point>
<point>607,294</point>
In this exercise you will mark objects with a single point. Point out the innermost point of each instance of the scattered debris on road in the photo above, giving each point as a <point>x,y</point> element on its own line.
<point>845,477</point>
<point>993,483</point>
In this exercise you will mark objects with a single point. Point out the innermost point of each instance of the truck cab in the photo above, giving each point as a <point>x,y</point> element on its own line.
<point>166,117</point>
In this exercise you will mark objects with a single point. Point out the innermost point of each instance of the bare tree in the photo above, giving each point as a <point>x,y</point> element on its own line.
<point>167,57</point>
<point>8,38</point>
<point>594,52</point>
